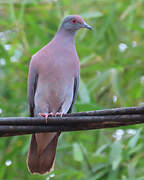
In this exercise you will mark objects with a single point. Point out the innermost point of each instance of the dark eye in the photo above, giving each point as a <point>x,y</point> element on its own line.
<point>74,21</point>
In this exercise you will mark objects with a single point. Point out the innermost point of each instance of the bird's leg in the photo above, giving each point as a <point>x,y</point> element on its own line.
<point>46,115</point>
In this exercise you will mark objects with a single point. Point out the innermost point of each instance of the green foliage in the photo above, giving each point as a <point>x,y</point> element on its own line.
<point>112,75</point>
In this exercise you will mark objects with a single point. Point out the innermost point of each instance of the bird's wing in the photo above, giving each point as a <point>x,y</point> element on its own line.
<point>32,85</point>
<point>75,91</point>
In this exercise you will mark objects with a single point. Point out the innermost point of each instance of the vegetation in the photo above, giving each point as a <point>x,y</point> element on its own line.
<point>112,75</point>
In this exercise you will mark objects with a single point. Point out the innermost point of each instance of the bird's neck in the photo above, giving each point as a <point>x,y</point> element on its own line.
<point>67,37</point>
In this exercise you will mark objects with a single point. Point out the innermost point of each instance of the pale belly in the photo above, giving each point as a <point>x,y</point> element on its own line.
<point>55,95</point>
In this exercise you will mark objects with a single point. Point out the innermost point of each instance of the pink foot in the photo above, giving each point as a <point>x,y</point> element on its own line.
<point>46,115</point>
<point>59,114</point>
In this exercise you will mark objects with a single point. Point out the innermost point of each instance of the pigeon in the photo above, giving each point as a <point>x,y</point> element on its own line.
<point>53,82</point>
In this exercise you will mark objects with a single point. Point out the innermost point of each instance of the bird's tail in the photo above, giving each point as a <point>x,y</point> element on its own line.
<point>42,152</point>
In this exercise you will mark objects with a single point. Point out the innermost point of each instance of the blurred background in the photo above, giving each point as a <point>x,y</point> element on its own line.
<point>112,75</point>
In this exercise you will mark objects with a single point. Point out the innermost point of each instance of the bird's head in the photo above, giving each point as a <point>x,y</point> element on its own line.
<point>74,23</point>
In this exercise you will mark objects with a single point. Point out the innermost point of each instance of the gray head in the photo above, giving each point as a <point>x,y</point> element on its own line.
<point>74,23</point>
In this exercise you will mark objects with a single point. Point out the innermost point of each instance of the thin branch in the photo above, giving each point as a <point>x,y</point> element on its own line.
<point>72,122</point>
<point>114,111</point>
<point>105,119</point>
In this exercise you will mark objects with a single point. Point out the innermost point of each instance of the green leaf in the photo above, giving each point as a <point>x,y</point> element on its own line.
<point>101,149</point>
<point>124,177</point>
<point>83,92</point>
<point>98,80</point>
<point>87,59</point>
<point>95,14</point>
<point>131,172</point>
<point>115,81</point>
<point>113,174</point>
<point>115,154</point>
<point>77,153</point>
<point>99,175</point>
<point>133,141</point>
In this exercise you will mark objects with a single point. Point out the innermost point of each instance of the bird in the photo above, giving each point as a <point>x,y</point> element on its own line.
<point>53,81</point>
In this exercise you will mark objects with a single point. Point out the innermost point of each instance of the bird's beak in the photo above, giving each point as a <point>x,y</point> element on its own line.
<point>87,26</point>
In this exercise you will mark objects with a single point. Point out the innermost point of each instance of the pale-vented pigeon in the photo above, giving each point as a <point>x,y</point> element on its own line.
<point>52,87</point>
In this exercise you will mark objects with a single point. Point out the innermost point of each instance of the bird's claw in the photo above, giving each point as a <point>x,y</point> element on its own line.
<point>46,115</point>
<point>59,114</point>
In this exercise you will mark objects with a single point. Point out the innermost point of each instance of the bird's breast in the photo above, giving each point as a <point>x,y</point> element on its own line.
<point>56,73</point>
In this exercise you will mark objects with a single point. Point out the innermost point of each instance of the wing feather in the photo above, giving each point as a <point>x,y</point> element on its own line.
<point>32,85</point>
<point>75,91</point>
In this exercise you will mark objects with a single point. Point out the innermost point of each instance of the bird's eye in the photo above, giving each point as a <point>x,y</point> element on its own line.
<point>74,21</point>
